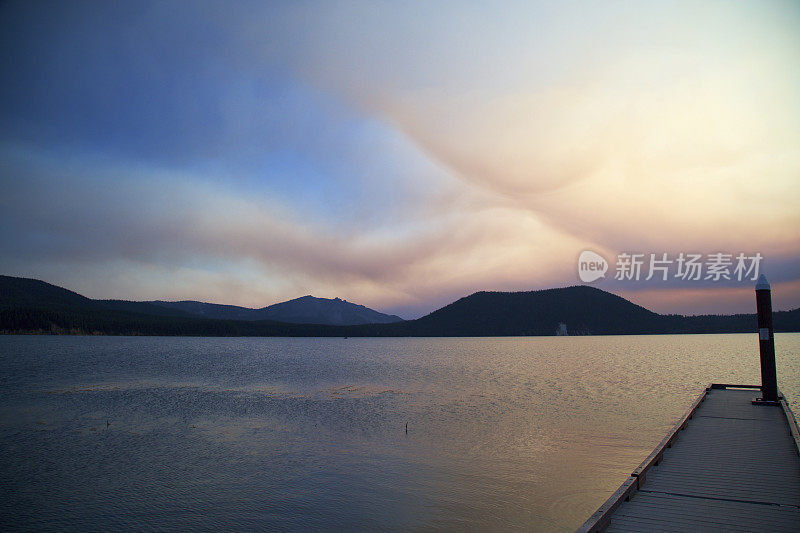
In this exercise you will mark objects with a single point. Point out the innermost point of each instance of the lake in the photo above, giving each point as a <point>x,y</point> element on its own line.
<point>359,434</point>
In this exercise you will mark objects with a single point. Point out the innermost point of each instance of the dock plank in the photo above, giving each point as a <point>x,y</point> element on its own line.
<point>734,467</point>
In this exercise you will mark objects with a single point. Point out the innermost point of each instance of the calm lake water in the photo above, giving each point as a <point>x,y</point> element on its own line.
<point>177,434</point>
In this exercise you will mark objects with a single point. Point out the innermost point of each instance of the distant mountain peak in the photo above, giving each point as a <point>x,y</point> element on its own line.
<point>34,306</point>
<point>306,309</point>
<point>330,311</point>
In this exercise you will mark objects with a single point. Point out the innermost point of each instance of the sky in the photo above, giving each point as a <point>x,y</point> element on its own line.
<point>399,155</point>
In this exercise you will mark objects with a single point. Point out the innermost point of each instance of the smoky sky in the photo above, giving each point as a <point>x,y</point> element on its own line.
<point>399,156</point>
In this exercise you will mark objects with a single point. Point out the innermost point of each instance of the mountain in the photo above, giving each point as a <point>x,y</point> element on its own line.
<point>304,310</point>
<point>26,292</point>
<point>31,293</point>
<point>585,310</point>
<point>32,306</point>
<point>335,312</point>
<point>212,311</point>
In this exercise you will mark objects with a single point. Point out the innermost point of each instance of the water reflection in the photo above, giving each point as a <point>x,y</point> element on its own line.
<point>298,434</point>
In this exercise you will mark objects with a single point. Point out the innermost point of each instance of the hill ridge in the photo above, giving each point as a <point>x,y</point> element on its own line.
<point>34,306</point>
<point>17,291</point>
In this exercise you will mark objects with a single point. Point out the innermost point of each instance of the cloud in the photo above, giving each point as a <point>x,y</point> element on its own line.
<point>398,155</point>
<point>681,134</point>
<point>71,213</point>
<point>653,130</point>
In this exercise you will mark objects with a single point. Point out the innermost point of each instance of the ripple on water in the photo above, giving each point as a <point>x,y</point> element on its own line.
<point>302,434</point>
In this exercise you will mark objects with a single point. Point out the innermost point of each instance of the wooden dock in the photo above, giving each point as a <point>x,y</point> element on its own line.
<point>726,465</point>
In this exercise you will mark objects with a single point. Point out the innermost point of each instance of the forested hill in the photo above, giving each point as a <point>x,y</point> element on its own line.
<point>584,310</point>
<point>30,294</point>
<point>303,310</point>
<point>33,306</point>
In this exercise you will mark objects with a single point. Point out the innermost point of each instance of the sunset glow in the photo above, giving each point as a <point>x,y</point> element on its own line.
<point>397,155</point>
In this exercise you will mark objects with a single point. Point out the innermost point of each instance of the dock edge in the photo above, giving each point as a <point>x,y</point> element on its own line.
<point>600,519</point>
